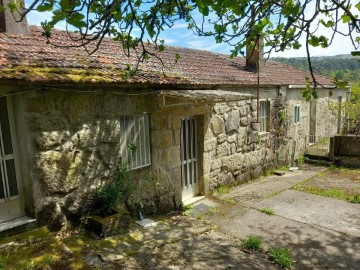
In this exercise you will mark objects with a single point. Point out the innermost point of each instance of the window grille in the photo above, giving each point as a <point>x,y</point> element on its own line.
<point>264,114</point>
<point>135,141</point>
<point>297,115</point>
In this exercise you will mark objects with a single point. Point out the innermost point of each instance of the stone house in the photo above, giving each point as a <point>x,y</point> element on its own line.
<point>198,122</point>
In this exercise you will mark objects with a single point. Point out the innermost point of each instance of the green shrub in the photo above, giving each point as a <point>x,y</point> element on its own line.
<point>253,242</point>
<point>282,257</point>
<point>113,192</point>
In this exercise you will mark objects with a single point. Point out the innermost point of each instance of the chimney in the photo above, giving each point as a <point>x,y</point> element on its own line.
<point>255,54</point>
<point>8,22</point>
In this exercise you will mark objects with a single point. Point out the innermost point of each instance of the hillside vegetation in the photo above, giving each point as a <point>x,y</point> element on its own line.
<point>344,67</point>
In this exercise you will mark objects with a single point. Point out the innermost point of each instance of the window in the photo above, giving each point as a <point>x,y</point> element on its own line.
<point>297,115</point>
<point>135,141</point>
<point>264,116</point>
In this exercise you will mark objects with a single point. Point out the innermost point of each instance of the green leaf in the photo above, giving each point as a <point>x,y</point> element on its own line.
<point>345,18</point>
<point>47,6</point>
<point>2,8</point>
<point>76,19</point>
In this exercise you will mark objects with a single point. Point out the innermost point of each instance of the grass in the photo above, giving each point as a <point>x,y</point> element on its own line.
<point>228,200</point>
<point>282,257</point>
<point>267,211</point>
<point>331,193</point>
<point>213,210</point>
<point>356,199</point>
<point>253,242</point>
<point>222,190</point>
<point>186,209</point>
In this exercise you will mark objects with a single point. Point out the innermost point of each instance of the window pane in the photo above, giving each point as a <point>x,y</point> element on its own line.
<point>5,127</point>
<point>135,132</point>
<point>11,176</point>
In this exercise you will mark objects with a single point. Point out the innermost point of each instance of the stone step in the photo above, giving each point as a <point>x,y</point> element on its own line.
<point>17,225</point>
<point>317,161</point>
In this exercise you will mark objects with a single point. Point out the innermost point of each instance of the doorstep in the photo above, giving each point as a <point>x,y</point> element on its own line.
<point>16,225</point>
<point>193,200</point>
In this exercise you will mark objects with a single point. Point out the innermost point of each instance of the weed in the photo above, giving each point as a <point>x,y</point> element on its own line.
<point>282,116</point>
<point>1,266</point>
<point>275,193</point>
<point>213,210</point>
<point>228,200</point>
<point>356,199</point>
<point>282,257</point>
<point>267,211</point>
<point>200,216</point>
<point>222,190</point>
<point>186,209</point>
<point>300,160</point>
<point>253,242</point>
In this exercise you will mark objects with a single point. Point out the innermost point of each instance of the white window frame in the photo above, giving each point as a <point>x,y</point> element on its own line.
<point>135,130</point>
<point>264,116</point>
<point>297,114</point>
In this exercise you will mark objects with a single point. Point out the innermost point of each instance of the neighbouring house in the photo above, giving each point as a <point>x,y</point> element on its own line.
<point>198,122</point>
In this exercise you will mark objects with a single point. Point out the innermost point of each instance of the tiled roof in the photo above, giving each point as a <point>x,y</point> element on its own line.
<point>29,58</point>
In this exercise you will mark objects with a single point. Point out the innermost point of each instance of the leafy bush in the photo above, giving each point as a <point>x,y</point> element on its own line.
<point>253,242</point>
<point>282,257</point>
<point>113,192</point>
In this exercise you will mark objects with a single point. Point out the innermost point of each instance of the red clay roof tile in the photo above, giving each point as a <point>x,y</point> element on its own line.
<point>27,57</point>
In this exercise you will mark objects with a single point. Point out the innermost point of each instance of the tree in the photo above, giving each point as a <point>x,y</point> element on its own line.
<point>281,23</point>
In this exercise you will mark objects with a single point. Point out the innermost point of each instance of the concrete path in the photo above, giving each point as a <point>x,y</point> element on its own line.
<point>322,233</point>
<point>312,209</point>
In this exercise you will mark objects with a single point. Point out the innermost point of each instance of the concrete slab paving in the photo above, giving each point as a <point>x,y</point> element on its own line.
<point>317,210</point>
<point>312,247</point>
<point>271,185</point>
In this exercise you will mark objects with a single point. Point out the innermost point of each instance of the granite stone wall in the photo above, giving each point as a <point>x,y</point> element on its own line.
<point>71,144</point>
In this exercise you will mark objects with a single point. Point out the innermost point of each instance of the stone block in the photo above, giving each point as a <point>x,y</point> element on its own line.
<point>217,125</point>
<point>221,138</point>
<point>87,136</point>
<point>109,131</point>
<point>233,163</point>
<point>59,172</point>
<point>162,138</point>
<point>244,121</point>
<point>51,139</point>
<point>115,224</point>
<point>220,109</point>
<point>48,212</point>
<point>225,178</point>
<point>244,111</point>
<point>216,164</point>
<point>232,121</point>
<point>170,157</point>
<point>47,122</point>
<point>209,145</point>
<point>232,138</point>
<point>223,150</point>
<point>39,104</point>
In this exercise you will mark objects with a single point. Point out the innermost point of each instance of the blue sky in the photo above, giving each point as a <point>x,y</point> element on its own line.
<point>180,36</point>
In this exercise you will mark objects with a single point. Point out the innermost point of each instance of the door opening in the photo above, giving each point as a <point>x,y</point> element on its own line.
<point>9,188</point>
<point>189,158</point>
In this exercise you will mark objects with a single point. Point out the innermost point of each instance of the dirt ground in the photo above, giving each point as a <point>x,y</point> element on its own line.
<point>320,232</point>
